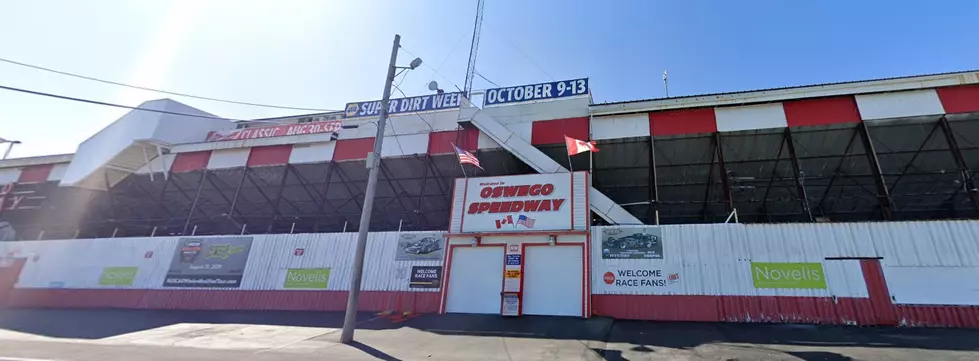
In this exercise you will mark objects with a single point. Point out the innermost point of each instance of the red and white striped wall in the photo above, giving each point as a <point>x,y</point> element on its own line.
<point>874,107</point>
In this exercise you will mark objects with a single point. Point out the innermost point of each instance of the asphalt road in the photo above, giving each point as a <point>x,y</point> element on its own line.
<point>77,335</point>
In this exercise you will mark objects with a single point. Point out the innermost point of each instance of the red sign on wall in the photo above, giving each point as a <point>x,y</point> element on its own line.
<point>275,131</point>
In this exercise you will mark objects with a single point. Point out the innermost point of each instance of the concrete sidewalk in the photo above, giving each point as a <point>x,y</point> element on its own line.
<point>219,335</point>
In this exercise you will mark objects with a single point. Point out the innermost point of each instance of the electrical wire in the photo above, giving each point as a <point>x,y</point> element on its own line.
<point>490,81</point>
<point>113,105</point>
<point>160,91</point>
<point>437,72</point>
<point>515,47</point>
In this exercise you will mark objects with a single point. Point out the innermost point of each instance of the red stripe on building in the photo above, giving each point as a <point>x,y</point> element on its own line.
<point>352,149</point>
<point>959,99</point>
<point>35,173</point>
<point>398,301</point>
<point>190,161</point>
<point>553,131</point>
<point>821,111</point>
<point>880,297</point>
<point>441,142</point>
<point>269,155</point>
<point>682,121</point>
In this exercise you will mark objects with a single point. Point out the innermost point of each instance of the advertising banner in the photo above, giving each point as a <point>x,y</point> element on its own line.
<point>642,280</point>
<point>534,202</point>
<point>788,275</point>
<point>118,276</point>
<point>632,243</point>
<point>307,278</point>
<point>511,305</point>
<point>542,91</point>
<point>422,103</point>
<point>426,277</point>
<point>275,131</point>
<point>217,262</point>
<point>420,246</point>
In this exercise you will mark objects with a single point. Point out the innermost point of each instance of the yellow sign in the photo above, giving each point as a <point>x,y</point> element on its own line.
<point>512,273</point>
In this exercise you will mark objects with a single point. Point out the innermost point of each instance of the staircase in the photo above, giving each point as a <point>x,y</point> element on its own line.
<point>600,204</point>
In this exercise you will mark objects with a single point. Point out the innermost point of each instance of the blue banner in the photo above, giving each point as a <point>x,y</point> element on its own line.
<point>404,105</point>
<point>526,93</point>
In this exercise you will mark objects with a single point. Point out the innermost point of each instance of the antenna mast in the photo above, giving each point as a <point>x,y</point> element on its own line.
<point>474,48</point>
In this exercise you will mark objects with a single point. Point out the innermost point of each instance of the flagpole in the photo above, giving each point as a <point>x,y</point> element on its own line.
<point>570,167</point>
<point>459,159</point>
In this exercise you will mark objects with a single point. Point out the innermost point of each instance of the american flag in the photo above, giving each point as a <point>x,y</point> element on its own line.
<point>525,221</point>
<point>466,157</point>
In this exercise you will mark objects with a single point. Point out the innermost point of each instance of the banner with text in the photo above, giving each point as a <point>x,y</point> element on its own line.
<point>533,202</point>
<point>213,262</point>
<point>653,279</point>
<point>275,131</point>
<point>422,103</point>
<point>632,243</point>
<point>420,246</point>
<point>542,91</point>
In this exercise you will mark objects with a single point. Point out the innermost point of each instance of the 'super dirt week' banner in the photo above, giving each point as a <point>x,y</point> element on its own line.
<point>213,262</point>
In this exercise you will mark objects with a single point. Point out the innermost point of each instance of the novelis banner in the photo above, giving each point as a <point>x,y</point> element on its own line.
<point>213,262</point>
<point>788,275</point>
<point>118,276</point>
<point>307,278</point>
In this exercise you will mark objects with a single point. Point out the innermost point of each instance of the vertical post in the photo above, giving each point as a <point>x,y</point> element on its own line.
<point>152,234</point>
<point>115,231</point>
<point>293,229</point>
<point>883,194</point>
<point>193,204</point>
<point>797,174</point>
<point>968,184</point>
<point>234,200</point>
<point>653,183</point>
<point>725,185</point>
<point>350,318</point>
<point>40,235</point>
<point>78,232</point>
<point>194,232</point>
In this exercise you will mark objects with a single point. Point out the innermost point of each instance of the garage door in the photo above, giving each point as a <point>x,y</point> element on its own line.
<point>475,280</point>
<point>552,281</point>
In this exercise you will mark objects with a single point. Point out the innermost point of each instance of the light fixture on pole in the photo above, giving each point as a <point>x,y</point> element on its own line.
<point>9,147</point>
<point>373,160</point>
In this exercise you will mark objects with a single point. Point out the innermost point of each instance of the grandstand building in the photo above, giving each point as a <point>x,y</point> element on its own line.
<point>878,150</point>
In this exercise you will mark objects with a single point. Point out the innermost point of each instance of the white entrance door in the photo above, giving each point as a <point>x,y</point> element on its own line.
<point>475,280</point>
<point>552,280</point>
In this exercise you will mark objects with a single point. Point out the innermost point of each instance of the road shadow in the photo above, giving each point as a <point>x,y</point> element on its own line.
<point>101,323</point>
<point>373,352</point>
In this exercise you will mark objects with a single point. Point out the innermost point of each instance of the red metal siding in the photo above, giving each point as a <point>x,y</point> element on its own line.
<point>441,142</point>
<point>682,121</point>
<point>35,173</point>
<point>553,131</point>
<point>8,278</point>
<point>191,161</point>
<point>880,298</point>
<point>939,316</point>
<point>269,155</point>
<point>959,99</point>
<point>351,149</point>
<point>417,302</point>
<point>820,111</point>
<point>819,310</point>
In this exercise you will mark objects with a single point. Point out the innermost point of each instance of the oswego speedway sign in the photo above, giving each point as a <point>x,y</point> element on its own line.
<point>518,203</point>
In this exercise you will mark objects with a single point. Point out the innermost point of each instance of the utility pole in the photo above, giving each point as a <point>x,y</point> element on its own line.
<point>373,160</point>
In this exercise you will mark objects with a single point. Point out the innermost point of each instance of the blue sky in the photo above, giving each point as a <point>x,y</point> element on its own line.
<point>322,54</point>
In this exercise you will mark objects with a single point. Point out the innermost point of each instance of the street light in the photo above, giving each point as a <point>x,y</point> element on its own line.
<point>373,160</point>
<point>9,147</point>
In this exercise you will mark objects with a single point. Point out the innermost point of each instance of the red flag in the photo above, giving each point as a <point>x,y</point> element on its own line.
<point>576,146</point>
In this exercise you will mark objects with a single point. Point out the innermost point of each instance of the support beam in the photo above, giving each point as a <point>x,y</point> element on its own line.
<point>108,192</point>
<point>193,205</point>
<point>653,210</point>
<point>798,176</point>
<point>846,153</point>
<point>914,157</point>
<point>234,199</point>
<point>771,178</point>
<point>391,181</point>
<point>260,191</point>
<point>883,194</point>
<point>422,219</point>
<point>968,183</point>
<point>725,183</point>
<point>445,189</point>
<point>710,177</point>
<point>278,196</point>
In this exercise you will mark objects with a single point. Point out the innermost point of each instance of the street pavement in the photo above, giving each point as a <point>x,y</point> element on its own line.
<point>81,335</point>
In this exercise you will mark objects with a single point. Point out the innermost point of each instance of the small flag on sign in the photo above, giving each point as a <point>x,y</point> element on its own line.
<point>501,222</point>
<point>466,157</point>
<point>576,146</point>
<point>525,221</point>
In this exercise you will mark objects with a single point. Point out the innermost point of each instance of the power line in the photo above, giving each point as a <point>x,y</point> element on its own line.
<point>524,54</point>
<point>484,78</point>
<point>113,105</point>
<point>158,90</point>
<point>433,69</point>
